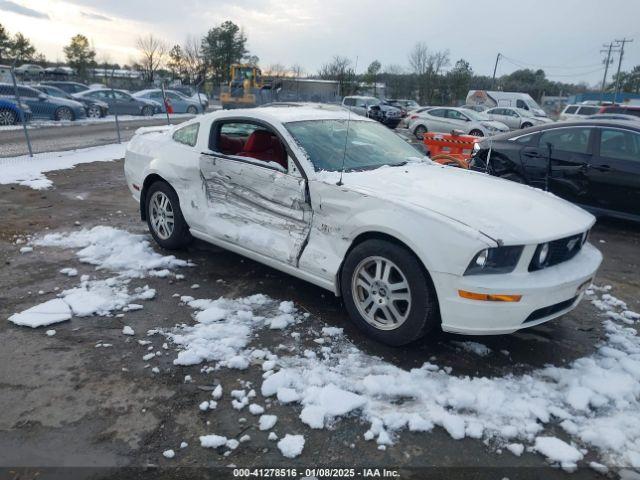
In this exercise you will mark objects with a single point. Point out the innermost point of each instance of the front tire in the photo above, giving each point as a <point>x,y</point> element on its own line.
<point>527,125</point>
<point>94,111</point>
<point>476,133</point>
<point>164,217</point>
<point>7,117</point>
<point>192,110</point>
<point>388,294</point>
<point>147,111</point>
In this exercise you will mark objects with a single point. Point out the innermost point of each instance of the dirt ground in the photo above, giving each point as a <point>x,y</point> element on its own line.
<point>66,403</point>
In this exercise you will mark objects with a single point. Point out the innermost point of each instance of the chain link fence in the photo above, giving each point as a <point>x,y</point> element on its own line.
<point>41,115</point>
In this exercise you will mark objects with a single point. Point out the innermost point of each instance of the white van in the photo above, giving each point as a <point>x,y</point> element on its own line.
<point>492,99</point>
<point>578,112</point>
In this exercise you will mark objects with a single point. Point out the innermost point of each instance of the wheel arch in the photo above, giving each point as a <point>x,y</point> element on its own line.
<point>148,181</point>
<point>378,235</point>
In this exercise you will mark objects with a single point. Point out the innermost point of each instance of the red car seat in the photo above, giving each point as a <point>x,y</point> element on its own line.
<point>229,145</point>
<point>265,146</point>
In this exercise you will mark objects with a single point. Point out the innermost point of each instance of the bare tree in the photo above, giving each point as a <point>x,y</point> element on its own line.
<point>193,58</point>
<point>152,51</point>
<point>427,66</point>
<point>339,69</point>
<point>297,70</point>
<point>276,70</point>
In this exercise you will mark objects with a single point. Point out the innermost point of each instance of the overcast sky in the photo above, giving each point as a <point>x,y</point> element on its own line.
<point>564,37</point>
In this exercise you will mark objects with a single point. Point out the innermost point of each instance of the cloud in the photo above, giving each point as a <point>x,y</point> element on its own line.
<point>95,16</point>
<point>9,6</point>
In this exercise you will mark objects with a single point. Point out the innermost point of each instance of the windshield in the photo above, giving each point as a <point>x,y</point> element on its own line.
<point>533,105</point>
<point>370,145</point>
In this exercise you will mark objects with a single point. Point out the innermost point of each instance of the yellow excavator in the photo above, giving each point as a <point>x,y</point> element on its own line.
<point>244,87</point>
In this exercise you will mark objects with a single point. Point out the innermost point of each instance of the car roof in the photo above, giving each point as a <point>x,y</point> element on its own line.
<point>277,114</point>
<point>574,123</point>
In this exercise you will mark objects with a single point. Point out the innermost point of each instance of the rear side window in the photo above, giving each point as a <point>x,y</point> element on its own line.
<point>620,144</point>
<point>589,110</point>
<point>187,135</point>
<point>571,109</point>
<point>349,102</point>
<point>631,111</point>
<point>28,92</point>
<point>573,140</point>
<point>437,112</point>
<point>522,104</point>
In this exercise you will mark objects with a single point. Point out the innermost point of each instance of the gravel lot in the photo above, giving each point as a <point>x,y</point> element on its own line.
<point>67,403</point>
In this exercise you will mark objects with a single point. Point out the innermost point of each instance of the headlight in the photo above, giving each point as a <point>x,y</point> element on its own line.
<point>495,260</point>
<point>540,256</point>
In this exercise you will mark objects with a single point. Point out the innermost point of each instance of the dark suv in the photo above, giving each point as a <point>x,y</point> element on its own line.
<point>624,109</point>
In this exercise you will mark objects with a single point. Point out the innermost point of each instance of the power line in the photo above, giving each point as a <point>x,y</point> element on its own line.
<point>552,67</point>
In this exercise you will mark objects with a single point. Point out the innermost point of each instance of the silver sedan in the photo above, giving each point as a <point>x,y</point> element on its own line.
<point>447,119</point>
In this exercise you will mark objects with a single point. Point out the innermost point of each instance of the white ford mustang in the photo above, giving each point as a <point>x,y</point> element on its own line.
<point>409,244</point>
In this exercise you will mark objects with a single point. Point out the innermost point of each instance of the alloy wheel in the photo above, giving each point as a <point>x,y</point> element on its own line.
<point>161,213</point>
<point>64,113</point>
<point>7,117</point>
<point>381,293</point>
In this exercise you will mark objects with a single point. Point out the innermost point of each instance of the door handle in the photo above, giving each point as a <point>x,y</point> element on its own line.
<point>601,168</point>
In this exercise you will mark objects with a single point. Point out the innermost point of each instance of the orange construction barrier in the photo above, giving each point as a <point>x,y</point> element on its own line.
<point>450,149</point>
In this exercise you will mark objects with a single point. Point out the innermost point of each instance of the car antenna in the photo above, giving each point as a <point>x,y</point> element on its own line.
<point>486,168</point>
<point>346,138</point>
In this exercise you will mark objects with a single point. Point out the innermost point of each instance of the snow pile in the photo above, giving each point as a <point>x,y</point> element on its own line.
<point>28,171</point>
<point>128,255</point>
<point>291,445</point>
<point>224,329</point>
<point>595,399</point>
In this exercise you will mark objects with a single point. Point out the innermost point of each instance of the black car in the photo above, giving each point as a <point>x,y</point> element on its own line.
<point>592,163</point>
<point>94,108</point>
<point>69,87</point>
<point>386,114</point>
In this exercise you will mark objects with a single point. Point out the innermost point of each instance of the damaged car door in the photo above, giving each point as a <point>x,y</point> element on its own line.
<point>256,197</point>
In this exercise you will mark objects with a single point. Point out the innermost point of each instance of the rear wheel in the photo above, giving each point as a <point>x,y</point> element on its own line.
<point>64,113</point>
<point>527,125</point>
<point>419,131</point>
<point>7,117</point>
<point>192,110</point>
<point>476,133</point>
<point>147,111</point>
<point>94,111</point>
<point>387,293</point>
<point>164,217</point>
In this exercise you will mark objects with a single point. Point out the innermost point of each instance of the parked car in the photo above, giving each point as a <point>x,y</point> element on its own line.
<point>193,94</point>
<point>5,74</point>
<point>122,103</point>
<point>625,109</point>
<point>592,163</point>
<point>29,70</point>
<point>578,112</point>
<point>44,106</point>
<point>69,87</point>
<point>515,118</point>
<point>378,225</point>
<point>60,71</point>
<point>412,115</point>
<point>179,102</point>
<point>614,116</point>
<point>447,119</point>
<point>405,104</point>
<point>492,99</point>
<point>12,113</point>
<point>374,108</point>
<point>93,108</point>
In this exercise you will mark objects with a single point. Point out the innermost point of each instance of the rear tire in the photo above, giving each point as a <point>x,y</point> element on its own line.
<point>419,132</point>
<point>527,125</point>
<point>94,111</point>
<point>192,110</point>
<point>64,113</point>
<point>147,111</point>
<point>388,294</point>
<point>476,133</point>
<point>164,217</point>
<point>7,117</point>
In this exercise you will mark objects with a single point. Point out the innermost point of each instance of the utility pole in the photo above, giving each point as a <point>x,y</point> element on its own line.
<point>606,69</point>
<point>495,68</point>
<point>621,43</point>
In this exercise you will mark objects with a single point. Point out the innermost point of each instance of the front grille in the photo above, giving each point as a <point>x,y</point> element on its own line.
<point>560,251</point>
<point>550,310</point>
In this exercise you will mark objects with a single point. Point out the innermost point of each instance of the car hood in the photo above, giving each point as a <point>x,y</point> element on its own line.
<point>505,211</point>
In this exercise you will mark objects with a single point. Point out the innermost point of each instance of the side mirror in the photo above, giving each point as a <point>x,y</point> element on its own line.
<point>42,97</point>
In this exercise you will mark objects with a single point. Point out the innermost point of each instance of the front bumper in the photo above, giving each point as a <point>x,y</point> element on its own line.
<point>546,294</point>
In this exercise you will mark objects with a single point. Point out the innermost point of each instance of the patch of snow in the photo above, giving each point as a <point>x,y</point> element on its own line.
<point>266,422</point>
<point>29,172</point>
<point>127,330</point>
<point>213,441</point>
<point>256,409</point>
<point>168,454</point>
<point>26,250</point>
<point>558,451</point>
<point>474,347</point>
<point>291,445</point>
<point>50,333</point>
<point>47,313</point>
